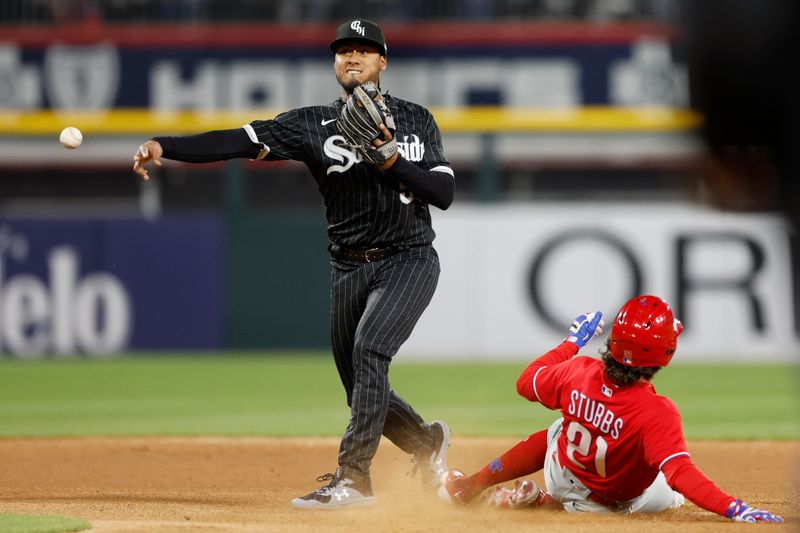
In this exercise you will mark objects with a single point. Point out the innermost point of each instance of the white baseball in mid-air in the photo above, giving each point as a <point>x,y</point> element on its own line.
<point>71,137</point>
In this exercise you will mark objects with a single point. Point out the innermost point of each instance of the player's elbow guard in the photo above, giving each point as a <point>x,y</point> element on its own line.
<point>438,189</point>
<point>449,195</point>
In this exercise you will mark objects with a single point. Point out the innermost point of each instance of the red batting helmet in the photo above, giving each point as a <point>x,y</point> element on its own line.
<point>645,332</point>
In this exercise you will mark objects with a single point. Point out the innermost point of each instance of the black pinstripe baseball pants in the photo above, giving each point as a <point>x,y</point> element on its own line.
<point>374,307</point>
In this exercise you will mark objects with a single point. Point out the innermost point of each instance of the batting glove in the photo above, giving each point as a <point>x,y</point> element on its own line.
<point>585,327</point>
<point>738,511</point>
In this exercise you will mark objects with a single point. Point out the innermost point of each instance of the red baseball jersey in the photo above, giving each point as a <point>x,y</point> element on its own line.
<point>613,439</point>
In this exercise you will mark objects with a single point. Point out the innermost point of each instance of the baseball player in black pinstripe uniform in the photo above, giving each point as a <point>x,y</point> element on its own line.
<point>384,269</point>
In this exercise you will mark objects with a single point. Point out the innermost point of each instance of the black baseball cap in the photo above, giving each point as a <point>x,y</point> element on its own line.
<point>359,30</point>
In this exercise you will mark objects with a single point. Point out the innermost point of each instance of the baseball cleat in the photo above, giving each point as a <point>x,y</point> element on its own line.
<point>433,466</point>
<point>340,492</point>
<point>452,489</point>
<point>524,494</point>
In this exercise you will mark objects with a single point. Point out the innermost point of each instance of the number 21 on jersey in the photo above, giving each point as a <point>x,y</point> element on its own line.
<point>579,441</point>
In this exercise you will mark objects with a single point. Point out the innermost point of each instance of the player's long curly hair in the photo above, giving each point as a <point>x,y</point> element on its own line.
<point>622,375</point>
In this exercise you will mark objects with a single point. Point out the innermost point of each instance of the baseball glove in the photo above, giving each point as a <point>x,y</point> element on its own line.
<point>362,114</point>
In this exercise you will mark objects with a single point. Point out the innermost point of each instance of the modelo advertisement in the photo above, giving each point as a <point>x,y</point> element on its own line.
<point>514,278</point>
<point>100,287</point>
<point>211,68</point>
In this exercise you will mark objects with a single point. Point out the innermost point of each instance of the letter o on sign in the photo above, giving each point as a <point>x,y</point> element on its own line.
<point>569,238</point>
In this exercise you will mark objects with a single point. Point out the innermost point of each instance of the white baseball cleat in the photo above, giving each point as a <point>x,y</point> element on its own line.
<point>434,465</point>
<point>340,492</point>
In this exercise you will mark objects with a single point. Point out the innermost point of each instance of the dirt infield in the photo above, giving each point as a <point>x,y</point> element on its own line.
<point>245,484</point>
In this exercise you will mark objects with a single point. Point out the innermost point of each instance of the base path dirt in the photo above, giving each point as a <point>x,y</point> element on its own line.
<point>167,484</point>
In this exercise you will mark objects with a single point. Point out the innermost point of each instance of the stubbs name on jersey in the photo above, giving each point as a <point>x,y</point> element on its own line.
<point>594,413</point>
<point>336,148</point>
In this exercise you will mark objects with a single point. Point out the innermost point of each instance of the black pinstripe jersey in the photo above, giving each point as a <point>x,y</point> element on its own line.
<point>363,205</point>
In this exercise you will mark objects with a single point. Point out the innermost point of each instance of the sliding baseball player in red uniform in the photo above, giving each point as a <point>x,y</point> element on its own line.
<point>619,446</point>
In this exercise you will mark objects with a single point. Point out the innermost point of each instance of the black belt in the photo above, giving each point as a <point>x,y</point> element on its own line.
<point>362,256</point>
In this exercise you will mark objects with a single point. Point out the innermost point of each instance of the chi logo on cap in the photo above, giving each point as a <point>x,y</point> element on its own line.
<point>357,27</point>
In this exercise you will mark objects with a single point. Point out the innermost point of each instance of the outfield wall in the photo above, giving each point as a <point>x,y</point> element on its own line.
<point>102,286</point>
<point>513,278</point>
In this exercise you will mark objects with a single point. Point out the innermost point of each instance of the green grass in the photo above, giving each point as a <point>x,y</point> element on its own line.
<point>300,394</point>
<point>18,523</point>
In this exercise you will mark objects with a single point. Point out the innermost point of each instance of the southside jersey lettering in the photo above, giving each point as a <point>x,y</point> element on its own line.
<point>364,209</point>
<point>595,413</point>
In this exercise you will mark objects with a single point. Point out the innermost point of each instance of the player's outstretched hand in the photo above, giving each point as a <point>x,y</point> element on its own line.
<point>738,511</point>
<point>585,327</point>
<point>149,151</point>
